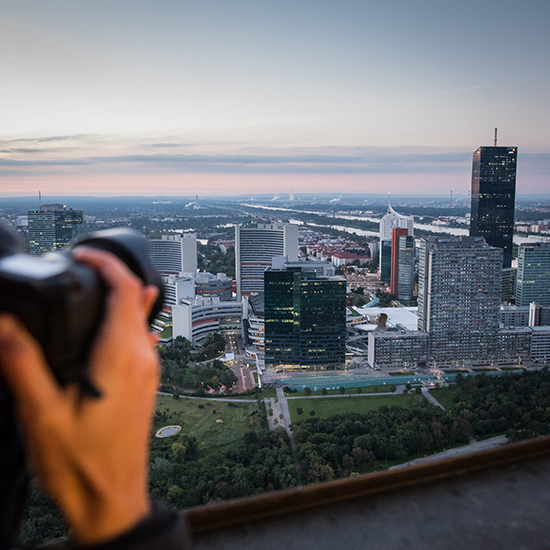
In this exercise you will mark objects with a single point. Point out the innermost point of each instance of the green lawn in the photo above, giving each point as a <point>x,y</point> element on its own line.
<point>364,389</point>
<point>255,375</point>
<point>201,422</point>
<point>487,369</point>
<point>456,371</point>
<point>445,396</point>
<point>333,405</point>
<point>404,373</point>
<point>513,368</point>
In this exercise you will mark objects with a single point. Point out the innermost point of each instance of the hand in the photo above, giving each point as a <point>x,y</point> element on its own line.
<point>90,454</point>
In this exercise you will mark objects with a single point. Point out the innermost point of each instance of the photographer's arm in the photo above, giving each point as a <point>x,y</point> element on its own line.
<point>91,454</point>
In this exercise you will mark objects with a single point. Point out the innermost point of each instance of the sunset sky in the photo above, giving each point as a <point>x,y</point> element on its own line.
<point>181,97</point>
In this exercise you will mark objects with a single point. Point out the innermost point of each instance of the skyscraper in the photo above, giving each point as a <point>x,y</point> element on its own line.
<point>459,297</point>
<point>388,222</point>
<point>255,247</point>
<point>397,233</point>
<point>174,254</point>
<point>52,227</point>
<point>533,282</point>
<point>493,197</point>
<point>405,268</point>
<point>305,318</point>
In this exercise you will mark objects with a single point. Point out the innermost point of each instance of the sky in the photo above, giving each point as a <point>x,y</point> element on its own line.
<point>185,97</point>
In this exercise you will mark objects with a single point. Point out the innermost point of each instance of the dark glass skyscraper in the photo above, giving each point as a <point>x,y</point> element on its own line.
<point>52,227</point>
<point>305,318</point>
<point>493,197</point>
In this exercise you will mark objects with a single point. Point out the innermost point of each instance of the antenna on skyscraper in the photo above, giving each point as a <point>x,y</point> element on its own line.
<point>39,199</point>
<point>496,129</point>
<point>451,205</point>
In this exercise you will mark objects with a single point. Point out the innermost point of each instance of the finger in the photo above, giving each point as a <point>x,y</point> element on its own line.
<point>123,285</point>
<point>24,368</point>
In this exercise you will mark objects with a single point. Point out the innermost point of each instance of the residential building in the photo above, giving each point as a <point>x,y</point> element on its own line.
<point>514,316</point>
<point>459,297</point>
<point>513,344</point>
<point>174,254</point>
<point>397,348</point>
<point>255,247</point>
<point>540,344</point>
<point>305,319</point>
<point>52,227</point>
<point>533,282</point>
<point>493,197</point>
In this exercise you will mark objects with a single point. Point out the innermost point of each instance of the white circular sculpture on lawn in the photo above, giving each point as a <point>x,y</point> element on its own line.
<point>168,431</point>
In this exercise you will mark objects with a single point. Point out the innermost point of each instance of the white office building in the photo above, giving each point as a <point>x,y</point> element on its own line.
<point>197,318</point>
<point>255,247</point>
<point>174,254</point>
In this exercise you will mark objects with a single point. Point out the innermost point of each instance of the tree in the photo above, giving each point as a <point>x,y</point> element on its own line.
<point>324,391</point>
<point>270,412</point>
<point>312,413</point>
<point>342,390</point>
<point>176,394</point>
<point>299,411</point>
<point>418,390</point>
<point>408,386</point>
<point>393,388</point>
<point>307,392</point>
<point>179,450</point>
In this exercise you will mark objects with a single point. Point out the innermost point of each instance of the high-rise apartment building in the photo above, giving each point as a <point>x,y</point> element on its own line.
<point>255,247</point>
<point>305,318</point>
<point>52,227</point>
<point>493,197</point>
<point>405,268</point>
<point>174,254</point>
<point>533,282</point>
<point>459,297</point>
<point>388,222</point>
<point>402,264</point>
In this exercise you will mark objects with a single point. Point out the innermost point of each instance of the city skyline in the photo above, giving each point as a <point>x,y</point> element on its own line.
<point>178,98</point>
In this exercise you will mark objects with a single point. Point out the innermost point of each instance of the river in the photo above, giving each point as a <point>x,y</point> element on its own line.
<point>518,239</point>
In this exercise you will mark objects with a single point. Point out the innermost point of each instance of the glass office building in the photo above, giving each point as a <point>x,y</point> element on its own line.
<point>52,227</point>
<point>305,318</point>
<point>533,283</point>
<point>493,197</point>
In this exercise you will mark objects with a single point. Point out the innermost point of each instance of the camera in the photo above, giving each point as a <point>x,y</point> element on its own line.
<point>61,303</point>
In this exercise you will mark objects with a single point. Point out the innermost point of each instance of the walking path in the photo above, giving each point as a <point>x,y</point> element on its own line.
<point>432,399</point>
<point>210,398</point>
<point>472,447</point>
<point>398,392</point>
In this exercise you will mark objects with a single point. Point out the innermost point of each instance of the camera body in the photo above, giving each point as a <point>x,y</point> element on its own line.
<point>61,303</point>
